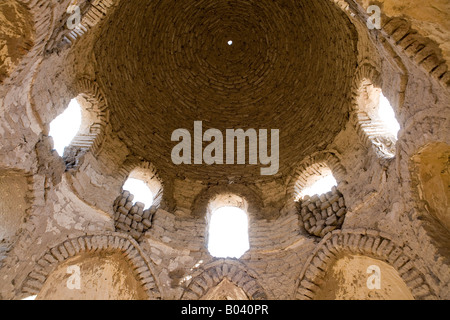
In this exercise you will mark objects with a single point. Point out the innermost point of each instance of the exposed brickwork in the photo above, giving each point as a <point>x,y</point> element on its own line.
<point>143,69</point>
<point>323,214</point>
<point>214,273</point>
<point>70,248</point>
<point>365,242</point>
<point>132,218</point>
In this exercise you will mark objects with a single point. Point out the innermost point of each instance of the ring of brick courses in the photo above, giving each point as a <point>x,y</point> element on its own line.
<point>364,242</point>
<point>211,275</point>
<point>132,219</point>
<point>91,244</point>
<point>323,214</point>
<point>186,76</point>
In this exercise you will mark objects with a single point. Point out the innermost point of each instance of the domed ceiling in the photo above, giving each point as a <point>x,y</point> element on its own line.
<point>165,64</point>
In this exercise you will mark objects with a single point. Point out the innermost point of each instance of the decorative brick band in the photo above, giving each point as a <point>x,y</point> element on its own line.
<point>418,48</point>
<point>91,244</point>
<point>365,242</point>
<point>214,273</point>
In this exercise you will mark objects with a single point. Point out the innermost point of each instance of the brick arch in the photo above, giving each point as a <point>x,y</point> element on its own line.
<point>90,244</point>
<point>251,196</point>
<point>42,20</point>
<point>96,118</point>
<point>370,130</point>
<point>310,166</point>
<point>92,13</point>
<point>214,273</point>
<point>148,173</point>
<point>374,244</point>
<point>421,50</point>
<point>424,224</point>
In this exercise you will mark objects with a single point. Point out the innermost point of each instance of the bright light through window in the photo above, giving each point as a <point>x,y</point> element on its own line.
<point>228,233</point>
<point>141,192</point>
<point>322,186</point>
<point>66,126</point>
<point>387,115</point>
<point>30,298</point>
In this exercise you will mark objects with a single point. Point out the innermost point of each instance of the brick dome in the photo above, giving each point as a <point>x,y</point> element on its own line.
<point>164,65</point>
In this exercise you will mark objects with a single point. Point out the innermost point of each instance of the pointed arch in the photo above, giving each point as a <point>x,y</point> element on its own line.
<point>111,242</point>
<point>214,273</point>
<point>365,242</point>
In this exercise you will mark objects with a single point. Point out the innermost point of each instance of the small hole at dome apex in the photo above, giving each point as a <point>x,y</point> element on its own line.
<point>230,42</point>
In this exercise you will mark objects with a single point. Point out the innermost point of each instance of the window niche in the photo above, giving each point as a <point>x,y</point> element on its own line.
<point>376,120</point>
<point>227,227</point>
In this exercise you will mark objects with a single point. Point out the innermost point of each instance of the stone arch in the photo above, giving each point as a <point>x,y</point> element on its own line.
<point>90,167</point>
<point>214,273</point>
<point>112,242</point>
<point>132,218</point>
<point>374,244</point>
<point>310,167</point>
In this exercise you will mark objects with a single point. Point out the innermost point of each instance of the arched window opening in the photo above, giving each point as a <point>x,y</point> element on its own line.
<point>140,191</point>
<point>66,126</point>
<point>228,233</point>
<point>318,179</point>
<point>387,116</point>
<point>323,185</point>
<point>376,117</point>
